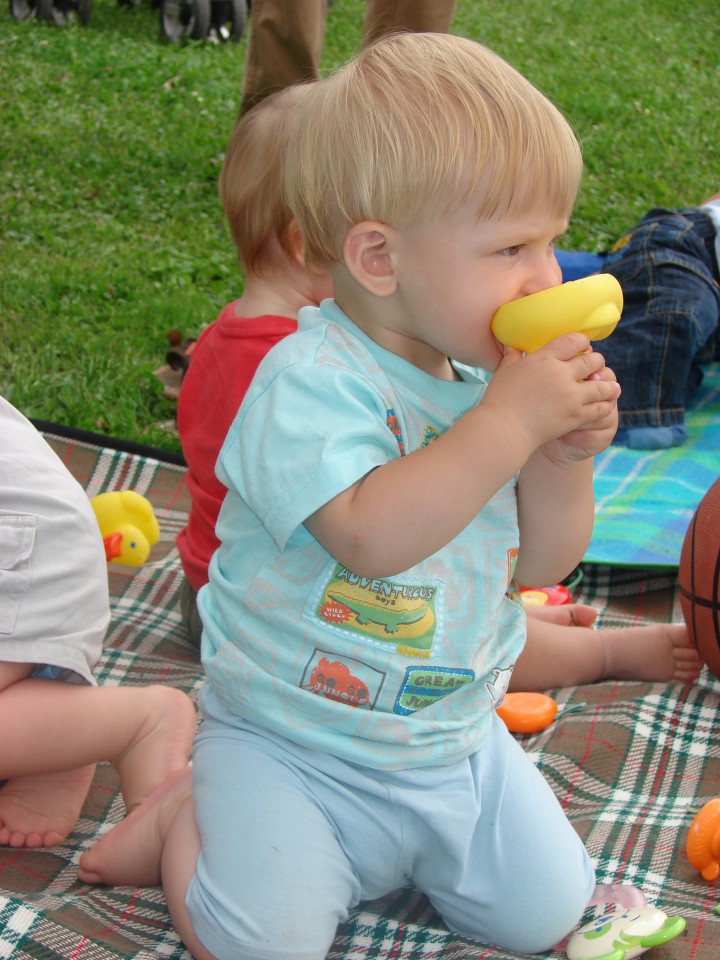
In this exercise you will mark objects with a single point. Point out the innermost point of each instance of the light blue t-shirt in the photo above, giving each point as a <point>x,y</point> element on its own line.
<point>395,672</point>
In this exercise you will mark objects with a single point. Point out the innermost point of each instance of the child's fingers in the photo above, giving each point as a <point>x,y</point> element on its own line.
<point>567,346</point>
<point>510,355</point>
<point>600,390</point>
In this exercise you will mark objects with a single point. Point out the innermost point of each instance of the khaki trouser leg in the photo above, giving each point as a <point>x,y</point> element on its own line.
<point>418,16</point>
<point>284,46</point>
<point>286,37</point>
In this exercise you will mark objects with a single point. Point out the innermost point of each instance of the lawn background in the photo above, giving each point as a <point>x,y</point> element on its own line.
<point>111,143</point>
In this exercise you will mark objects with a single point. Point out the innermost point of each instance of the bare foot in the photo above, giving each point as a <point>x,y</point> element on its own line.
<point>41,811</point>
<point>131,853</point>
<point>658,652</point>
<point>162,745</point>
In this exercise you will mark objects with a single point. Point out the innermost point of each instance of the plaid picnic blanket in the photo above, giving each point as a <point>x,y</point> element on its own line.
<point>645,499</point>
<point>630,763</point>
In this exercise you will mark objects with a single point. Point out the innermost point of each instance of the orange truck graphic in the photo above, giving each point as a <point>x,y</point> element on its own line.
<point>332,679</point>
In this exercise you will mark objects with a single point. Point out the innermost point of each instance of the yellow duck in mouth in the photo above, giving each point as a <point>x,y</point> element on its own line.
<point>591,305</point>
<point>127,525</point>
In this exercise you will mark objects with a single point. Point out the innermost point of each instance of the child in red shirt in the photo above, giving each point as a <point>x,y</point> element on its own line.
<point>226,355</point>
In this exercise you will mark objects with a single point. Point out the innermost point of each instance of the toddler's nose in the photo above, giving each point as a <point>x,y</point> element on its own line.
<point>546,273</point>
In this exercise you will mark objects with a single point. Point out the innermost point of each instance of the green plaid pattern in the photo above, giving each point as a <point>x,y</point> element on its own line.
<point>645,499</point>
<point>627,764</point>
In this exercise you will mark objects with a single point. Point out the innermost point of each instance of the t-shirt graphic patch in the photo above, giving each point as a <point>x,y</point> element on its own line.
<point>344,680</point>
<point>394,428</point>
<point>430,434</point>
<point>424,686</point>
<point>389,613</point>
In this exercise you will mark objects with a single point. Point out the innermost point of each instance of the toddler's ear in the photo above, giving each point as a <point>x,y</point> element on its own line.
<point>295,242</point>
<point>368,255</point>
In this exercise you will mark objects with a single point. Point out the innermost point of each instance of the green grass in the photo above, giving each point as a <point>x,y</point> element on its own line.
<point>111,144</point>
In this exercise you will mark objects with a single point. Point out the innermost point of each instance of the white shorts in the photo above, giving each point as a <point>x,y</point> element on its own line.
<point>54,603</point>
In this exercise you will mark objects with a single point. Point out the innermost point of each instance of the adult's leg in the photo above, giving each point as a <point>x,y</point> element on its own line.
<point>666,268</point>
<point>418,16</point>
<point>285,44</point>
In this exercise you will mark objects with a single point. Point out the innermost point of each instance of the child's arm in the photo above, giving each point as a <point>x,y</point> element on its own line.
<point>407,509</point>
<point>555,499</point>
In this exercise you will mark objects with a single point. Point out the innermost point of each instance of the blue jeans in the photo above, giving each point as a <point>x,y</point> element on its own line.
<point>669,327</point>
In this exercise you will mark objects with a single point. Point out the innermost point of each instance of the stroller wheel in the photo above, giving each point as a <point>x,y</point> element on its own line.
<point>58,11</point>
<point>23,9</point>
<point>62,12</point>
<point>184,19</point>
<point>228,19</point>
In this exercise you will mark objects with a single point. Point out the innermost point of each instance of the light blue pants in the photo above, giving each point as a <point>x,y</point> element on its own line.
<point>292,838</point>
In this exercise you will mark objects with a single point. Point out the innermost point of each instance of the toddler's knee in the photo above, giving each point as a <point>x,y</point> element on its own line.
<point>232,945</point>
<point>529,931</point>
<point>242,935</point>
<point>531,917</point>
<point>268,951</point>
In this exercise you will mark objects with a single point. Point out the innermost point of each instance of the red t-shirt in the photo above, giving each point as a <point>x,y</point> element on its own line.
<point>223,363</point>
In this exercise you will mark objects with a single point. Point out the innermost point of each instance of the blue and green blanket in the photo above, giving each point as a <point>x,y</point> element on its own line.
<point>645,499</point>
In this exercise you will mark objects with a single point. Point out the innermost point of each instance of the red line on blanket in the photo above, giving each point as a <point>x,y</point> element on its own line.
<point>697,941</point>
<point>591,736</point>
<point>178,493</point>
<point>398,943</point>
<point>115,926</point>
<point>15,861</point>
<point>655,789</point>
<point>640,609</point>
<point>68,452</point>
<point>119,634</point>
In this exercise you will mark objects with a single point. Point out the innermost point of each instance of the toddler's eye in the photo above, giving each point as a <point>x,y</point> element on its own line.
<point>510,251</point>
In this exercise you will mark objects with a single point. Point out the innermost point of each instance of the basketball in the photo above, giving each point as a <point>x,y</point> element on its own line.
<point>699,579</point>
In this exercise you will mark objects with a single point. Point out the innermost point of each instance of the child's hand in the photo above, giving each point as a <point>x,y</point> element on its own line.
<point>590,440</point>
<point>563,390</point>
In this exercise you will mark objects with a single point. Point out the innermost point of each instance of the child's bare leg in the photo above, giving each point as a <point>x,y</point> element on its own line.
<point>52,733</point>
<point>157,842</point>
<point>656,652</point>
<point>558,655</point>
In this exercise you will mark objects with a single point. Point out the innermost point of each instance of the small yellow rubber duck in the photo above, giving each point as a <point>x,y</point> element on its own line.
<point>127,525</point>
<point>591,305</point>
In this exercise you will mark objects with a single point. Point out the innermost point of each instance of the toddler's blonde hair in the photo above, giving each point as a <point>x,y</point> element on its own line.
<point>411,128</point>
<point>251,180</point>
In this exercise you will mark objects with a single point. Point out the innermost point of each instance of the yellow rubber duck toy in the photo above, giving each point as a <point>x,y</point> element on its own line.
<point>591,305</point>
<point>127,525</point>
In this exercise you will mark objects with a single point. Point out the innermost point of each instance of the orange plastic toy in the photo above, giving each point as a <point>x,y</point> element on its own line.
<point>527,712</point>
<point>703,842</point>
<point>591,305</point>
